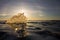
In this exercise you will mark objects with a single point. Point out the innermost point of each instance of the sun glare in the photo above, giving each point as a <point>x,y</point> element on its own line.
<point>24,11</point>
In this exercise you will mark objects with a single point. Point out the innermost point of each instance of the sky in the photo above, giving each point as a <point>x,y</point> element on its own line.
<point>33,9</point>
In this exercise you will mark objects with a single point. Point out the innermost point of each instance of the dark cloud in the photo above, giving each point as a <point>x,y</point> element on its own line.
<point>48,7</point>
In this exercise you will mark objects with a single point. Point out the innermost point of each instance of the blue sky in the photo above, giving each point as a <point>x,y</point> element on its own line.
<point>33,9</point>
